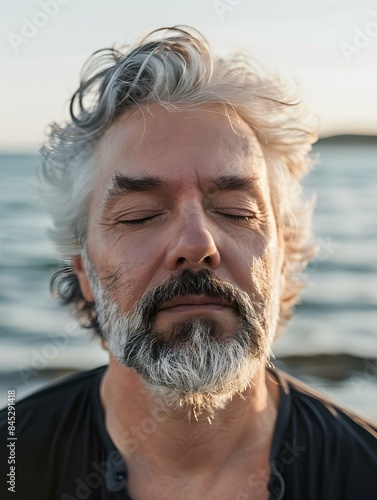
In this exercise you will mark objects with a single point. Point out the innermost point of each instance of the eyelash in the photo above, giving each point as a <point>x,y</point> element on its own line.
<point>140,222</point>
<point>137,222</point>
<point>238,218</point>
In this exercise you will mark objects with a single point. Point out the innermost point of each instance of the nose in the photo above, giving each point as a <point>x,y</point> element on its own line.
<point>192,243</point>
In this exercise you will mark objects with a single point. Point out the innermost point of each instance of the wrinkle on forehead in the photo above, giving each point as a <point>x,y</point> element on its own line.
<point>180,146</point>
<point>142,128</point>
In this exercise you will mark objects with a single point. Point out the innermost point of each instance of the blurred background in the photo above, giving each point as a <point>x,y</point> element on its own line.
<point>327,47</point>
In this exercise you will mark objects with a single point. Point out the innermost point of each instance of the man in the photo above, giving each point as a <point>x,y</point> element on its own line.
<point>175,196</point>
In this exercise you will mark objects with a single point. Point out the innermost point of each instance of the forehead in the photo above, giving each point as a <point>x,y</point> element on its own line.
<point>200,143</point>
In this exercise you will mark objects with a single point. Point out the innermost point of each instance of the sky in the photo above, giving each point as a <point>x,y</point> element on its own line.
<point>327,47</point>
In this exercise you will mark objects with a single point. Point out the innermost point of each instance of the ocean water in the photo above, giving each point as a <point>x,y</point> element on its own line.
<point>331,343</point>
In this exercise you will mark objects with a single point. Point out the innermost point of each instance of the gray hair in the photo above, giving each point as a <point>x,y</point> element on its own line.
<point>197,365</point>
<point>174,68</point>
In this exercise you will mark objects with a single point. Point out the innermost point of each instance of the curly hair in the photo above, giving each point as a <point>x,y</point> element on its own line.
<point>175,68</point>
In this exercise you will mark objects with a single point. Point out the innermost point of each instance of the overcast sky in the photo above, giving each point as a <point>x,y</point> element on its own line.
<point>328,46</point>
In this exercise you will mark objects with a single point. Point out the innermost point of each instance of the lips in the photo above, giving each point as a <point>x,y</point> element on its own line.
<point>194,300</point>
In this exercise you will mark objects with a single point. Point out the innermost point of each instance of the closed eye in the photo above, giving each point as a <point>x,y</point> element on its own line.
<point>144,220</point>
<point>238,218</point>
<point>137,222</point>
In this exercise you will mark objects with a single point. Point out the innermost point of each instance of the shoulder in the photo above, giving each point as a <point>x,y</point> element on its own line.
<point>53,428</point>
<point>55,397</point>
<point>54,403</point>
<point>324,414</point>
<point>322,448</point>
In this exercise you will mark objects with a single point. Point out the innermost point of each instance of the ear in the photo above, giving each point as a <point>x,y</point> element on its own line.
<point>80,272</point>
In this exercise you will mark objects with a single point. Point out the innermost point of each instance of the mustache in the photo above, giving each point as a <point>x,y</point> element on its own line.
<point>202,282</point>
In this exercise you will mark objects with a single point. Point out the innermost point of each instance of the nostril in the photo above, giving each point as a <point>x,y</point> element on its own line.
<point>207,260</point>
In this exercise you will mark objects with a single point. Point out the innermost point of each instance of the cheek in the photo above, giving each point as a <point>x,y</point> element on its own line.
<point>127,271</point>
<point>254,266</point>
<point>261,275</point>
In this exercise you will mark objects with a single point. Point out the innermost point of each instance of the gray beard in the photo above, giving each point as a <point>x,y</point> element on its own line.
<point>200,367</point>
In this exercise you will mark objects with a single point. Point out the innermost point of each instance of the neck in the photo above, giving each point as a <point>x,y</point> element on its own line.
<point>160,438</point>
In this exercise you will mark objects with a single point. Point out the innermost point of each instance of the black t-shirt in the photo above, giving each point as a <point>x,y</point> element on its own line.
<point>319,452</point>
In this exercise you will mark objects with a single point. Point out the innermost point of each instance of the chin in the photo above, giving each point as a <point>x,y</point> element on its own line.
<point>203,405</point>
<point>200,369</point>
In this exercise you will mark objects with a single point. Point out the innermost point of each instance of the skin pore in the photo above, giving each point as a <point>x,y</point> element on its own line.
<point>174,191</point>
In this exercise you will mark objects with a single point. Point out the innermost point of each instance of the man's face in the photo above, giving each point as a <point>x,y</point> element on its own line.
<point>180,193</point>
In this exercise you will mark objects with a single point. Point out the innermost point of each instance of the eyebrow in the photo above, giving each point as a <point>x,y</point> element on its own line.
<point>123,184</point>
<point>235,183</point>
